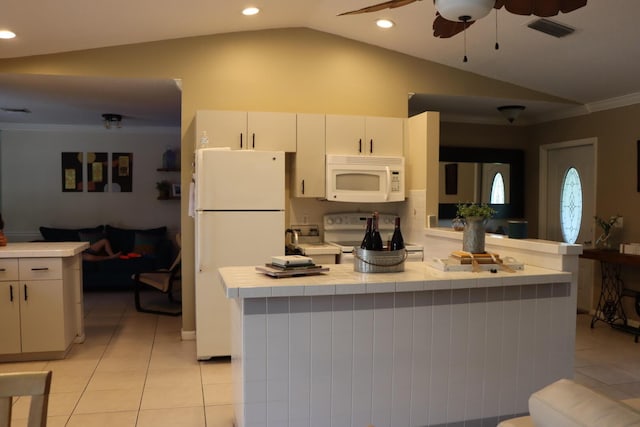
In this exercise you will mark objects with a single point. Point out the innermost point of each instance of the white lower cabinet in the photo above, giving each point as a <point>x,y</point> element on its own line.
<point>36,306</point>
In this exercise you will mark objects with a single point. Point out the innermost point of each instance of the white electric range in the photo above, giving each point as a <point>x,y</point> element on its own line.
<point>346,230</point>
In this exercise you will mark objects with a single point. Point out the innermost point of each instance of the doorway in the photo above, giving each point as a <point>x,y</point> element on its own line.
<point>564,167</point>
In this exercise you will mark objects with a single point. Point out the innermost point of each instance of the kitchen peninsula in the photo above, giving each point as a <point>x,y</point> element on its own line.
<point>418,348</point>
<point>41,307</point>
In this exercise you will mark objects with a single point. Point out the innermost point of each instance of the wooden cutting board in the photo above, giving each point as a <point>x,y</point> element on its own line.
<point>481,258</point>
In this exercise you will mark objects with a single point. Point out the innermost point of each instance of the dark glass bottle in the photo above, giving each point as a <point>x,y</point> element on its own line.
<point>366,241</point>
<point>376,239</point>
<point>397,242</point>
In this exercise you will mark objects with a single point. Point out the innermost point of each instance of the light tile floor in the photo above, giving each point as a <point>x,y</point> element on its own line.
<point>607,360</point>
<point>133,370</point>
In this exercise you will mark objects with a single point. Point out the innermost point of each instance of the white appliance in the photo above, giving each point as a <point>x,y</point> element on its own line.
<point>239,204</point>
<point>346,230</point>
<point>368,179</point>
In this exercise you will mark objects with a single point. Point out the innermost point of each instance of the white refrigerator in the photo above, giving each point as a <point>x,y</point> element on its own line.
<point>239,220</point>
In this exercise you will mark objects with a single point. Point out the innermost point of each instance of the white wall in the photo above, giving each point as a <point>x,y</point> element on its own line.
<point>31,185</point>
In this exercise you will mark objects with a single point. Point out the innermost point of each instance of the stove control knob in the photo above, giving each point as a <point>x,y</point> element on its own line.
<point>330,221</point>
<point>339,220</point>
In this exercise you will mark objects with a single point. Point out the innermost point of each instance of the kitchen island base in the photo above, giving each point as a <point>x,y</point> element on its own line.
<point>433,352</point>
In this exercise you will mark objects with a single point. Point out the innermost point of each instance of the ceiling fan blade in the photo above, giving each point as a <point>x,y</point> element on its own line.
<point>519,7</point>
<point>542,8</point>
<point>380,6</point>
<point>567,6</point>
<point>444,28</point>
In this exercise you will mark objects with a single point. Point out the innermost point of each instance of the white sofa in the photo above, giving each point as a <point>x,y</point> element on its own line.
<point>566,403</point>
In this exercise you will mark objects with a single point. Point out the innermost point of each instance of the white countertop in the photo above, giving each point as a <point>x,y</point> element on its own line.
<point>246,282</point>
<point>537,245</point>
<point>42,249</point>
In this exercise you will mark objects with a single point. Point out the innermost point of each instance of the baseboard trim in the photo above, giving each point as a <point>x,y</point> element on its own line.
<point>187,335</point>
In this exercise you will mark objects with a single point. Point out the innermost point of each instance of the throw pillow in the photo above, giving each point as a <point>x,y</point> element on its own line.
<point>123,239</point>
<point>91,236</point>
<point>146,243</point>
<point>51,234</point>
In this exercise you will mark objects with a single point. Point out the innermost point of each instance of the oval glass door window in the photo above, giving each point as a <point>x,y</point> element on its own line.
<point>571,205</point>
<point>497,190</point>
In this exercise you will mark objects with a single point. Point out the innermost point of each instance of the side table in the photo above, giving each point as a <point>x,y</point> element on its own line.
<point>609,308</point>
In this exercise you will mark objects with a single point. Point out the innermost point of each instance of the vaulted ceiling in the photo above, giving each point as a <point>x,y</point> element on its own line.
<point>598,63</point>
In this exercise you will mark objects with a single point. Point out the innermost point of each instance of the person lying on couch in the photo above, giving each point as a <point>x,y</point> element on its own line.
<point>3,238</point>
<point>99,250</point>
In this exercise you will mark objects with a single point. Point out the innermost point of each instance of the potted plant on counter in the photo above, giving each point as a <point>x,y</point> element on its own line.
<point>475,217</point>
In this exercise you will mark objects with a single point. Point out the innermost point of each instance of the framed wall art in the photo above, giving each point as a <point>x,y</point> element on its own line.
<point>72,171</point>
<point>122,172</point>
<point>97,170</point>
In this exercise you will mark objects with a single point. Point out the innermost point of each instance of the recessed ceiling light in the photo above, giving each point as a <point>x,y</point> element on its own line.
<point>6,34</point>
<point>249,11</point>
<point>384,23</point>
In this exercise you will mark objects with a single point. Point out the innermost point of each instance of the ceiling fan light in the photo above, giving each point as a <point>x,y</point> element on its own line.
<point>464,10</point>
<point>511,112</point>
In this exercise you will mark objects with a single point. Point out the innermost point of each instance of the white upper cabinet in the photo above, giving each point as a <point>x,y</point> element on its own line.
<point>308,177</point>
<point>242,130</point>
<point>271,131</point>
<point>384,136</point>
<point>360,135</point>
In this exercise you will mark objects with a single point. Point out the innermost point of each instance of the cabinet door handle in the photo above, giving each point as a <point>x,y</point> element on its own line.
<point>26,296</point>
<point>11,293</point>
<point>3,269</point>
<point>253,140</point>
<point>303,186</point>
<point>40,269</point>
<point>371,146</point>
<point>240,139</point>
<point>360,145</point>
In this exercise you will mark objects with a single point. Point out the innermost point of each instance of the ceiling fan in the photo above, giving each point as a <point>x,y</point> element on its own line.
<point>454,16</point>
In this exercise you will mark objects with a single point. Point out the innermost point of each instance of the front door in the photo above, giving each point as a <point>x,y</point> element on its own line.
<point>569,167</point>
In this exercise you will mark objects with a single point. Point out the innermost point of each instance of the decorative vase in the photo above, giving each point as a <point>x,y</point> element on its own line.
<point>607,241</point>
<point>473,234</point>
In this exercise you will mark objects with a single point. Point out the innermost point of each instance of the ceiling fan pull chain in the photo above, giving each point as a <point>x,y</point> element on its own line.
<point>497,45</point>
<point>464,33</point>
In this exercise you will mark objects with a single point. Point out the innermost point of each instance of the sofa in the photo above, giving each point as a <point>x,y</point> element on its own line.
<point>566,403</point>
<point>151,249</point>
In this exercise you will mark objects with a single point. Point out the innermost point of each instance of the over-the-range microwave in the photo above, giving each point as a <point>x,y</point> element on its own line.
<point>368,179</point>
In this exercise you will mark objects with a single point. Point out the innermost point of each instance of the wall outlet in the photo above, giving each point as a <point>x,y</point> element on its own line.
<point>305,219</point>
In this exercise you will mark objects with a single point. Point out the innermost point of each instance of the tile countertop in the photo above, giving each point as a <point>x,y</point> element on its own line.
<point>42,249</point>
<point>246,282</point>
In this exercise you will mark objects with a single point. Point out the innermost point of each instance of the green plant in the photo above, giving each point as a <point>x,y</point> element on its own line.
<point>466,210</point>
<point>163,186</point>
<point>606,225</point>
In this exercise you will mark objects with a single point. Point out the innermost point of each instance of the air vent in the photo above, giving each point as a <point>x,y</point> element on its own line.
<point>16,110</point>
<point>550,27</point>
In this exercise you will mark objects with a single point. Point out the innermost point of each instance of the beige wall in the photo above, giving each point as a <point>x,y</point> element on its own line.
<point>296,70</point>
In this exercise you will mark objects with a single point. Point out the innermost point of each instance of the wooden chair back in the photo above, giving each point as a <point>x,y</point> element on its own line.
<point>34,384</point>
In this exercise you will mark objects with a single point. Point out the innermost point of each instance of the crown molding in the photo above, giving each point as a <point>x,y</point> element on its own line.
<point>50,127</point>
<point>564,113</point>
<point>617,102</point>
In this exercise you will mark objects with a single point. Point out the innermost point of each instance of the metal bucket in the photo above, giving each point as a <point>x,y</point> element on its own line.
<point>365,261</point>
